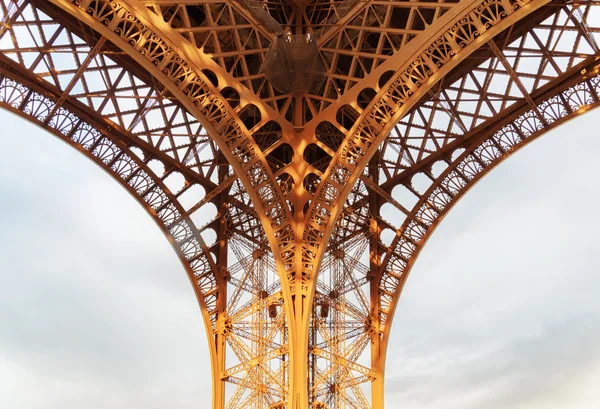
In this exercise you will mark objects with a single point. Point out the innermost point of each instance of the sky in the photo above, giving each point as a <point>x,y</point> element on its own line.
<point>500,311</point>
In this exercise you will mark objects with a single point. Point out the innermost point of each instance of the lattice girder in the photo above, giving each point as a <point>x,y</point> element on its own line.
<point>568,100</point>
<point>447,174</point>
<point>37,101</point>
<point>298,180</point>
<point>184,78</point>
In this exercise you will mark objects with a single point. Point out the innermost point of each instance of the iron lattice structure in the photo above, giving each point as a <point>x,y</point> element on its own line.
<point>298,216</point>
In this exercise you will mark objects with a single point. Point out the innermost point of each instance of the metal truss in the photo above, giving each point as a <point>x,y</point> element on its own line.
<point>298,216</point>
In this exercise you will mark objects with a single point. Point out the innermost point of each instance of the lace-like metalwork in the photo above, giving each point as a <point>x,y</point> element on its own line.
<point>298,216</point>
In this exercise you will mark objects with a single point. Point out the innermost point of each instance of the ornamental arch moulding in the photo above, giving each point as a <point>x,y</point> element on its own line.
<point>150,41</point>
<point>450,186</point>
<point>478,22</point>
<point>114,151</point>
<point>474,130</point>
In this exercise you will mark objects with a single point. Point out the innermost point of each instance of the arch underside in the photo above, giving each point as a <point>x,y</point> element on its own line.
<point>183,160</point>
<point>80,87</point>
<point>468,164</point>
<point>116,151</point>
<point>520,87</point>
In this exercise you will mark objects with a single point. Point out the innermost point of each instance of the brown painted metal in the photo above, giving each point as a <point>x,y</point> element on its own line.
<point>298,216</point>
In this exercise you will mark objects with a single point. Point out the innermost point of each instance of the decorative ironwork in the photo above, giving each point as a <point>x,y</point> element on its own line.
<point>298,215</point>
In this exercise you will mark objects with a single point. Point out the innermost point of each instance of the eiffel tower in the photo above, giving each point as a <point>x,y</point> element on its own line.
<point>298,154</point>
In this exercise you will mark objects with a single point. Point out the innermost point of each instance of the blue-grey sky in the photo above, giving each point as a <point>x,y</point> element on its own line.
<point>502,310</point>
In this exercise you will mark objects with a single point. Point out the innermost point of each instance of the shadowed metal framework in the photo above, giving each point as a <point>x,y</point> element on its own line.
<point>298,216</point>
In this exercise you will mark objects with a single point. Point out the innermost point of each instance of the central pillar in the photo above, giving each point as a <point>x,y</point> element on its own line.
<point>299,353</point>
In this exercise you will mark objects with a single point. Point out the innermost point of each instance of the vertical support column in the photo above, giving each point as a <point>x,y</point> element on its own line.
<point>219,364</point>
<point>298,300</point>
<point>377,356</point>
<point>220,339</point>
<point>299,322</point>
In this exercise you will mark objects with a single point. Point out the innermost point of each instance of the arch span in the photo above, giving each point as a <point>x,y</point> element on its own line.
<point>80,81</point>
<point>482,151</point>
<point>511,267</point>
<point>113,150</point>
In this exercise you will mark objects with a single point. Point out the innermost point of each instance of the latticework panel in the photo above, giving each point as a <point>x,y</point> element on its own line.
<point>342,330</point>
<point>87,79</point>
<point>522,85</point>
<point>231,34</point>
<point>254,327</point>
<point>356,37</point>
<point>79,86</point>
<point>298,216</point>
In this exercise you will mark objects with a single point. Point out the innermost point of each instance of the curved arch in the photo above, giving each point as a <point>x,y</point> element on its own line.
<point>420,70</point>
<point>121,98</point>
<point>133,28</point>
<point>464,30</point>
<point>77,127</point>
<point>563,102</point>
<point>456,35</point>
<point>448,151</point>
<point>110,92</point>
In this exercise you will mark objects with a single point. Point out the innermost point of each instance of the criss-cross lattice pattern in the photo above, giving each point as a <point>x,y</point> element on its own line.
<point>424,165</point>
<point>298,216</point>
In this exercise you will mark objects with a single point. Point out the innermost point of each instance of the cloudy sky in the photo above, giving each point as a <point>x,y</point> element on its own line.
<point>502,309</point>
